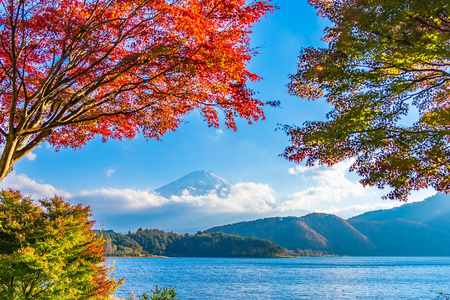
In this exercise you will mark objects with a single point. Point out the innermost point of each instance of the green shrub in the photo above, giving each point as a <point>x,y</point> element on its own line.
<point>157,294</point>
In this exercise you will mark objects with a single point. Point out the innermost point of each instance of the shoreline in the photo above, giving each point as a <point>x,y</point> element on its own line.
<point>161,256</point>
<point>145,256</point>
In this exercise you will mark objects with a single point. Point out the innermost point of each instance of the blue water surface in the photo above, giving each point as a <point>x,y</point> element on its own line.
<point>288,278</point>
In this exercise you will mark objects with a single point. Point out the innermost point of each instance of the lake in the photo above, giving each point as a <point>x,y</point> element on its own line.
<point>288,278</point>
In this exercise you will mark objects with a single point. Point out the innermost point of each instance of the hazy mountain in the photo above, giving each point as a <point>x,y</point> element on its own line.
<point>333,235</point>
<point>197,183</point>
<point>342,237</point>
<point>316,232</point>
<point>289,232</point>
<point>433,211</point>
<point>404,238</point>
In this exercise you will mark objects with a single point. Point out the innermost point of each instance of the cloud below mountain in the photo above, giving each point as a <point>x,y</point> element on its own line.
<point>242,197</point>
<point>120,200</point>
<point>202,199</point>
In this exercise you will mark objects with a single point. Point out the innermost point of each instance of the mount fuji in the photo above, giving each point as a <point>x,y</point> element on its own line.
<point>198,183</point>
<point>202,195</point>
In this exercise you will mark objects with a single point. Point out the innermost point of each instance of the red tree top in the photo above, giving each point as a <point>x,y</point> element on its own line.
<point>73,69</point>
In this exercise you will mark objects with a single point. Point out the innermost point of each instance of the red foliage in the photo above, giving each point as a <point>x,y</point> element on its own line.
<point>73,69</point>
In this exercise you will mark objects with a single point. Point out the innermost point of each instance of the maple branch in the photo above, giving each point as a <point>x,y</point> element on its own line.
<point>118,113</point>
<point>14,70</point>
<point>214,8</point>
<point>101,82</point>
<point>44,133</point>
<point>54,124</point>
<point>50,78</point>
<point>433,24</point>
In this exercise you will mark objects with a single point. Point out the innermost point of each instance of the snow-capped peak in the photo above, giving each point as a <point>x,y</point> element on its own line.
<point>196,183</point>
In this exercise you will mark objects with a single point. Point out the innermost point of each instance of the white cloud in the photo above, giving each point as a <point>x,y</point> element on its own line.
<point>120,199</point>
<point>353,210</point>
<point>30,187</point>
<point>298,170</point>
<point>216,136</point>
<point>243,197</point>
<point>421,194</point>
<point>253,196</point>
<point>31,156</point>
<point>332,185</point>
<point>110,171</point>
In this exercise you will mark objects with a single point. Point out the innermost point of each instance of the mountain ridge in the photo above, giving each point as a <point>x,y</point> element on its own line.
<point>433,211</point>
<point>310,232</point>
<point>331,234</point>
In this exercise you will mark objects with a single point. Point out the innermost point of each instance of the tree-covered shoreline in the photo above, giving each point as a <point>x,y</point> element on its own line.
<point>157,243</point>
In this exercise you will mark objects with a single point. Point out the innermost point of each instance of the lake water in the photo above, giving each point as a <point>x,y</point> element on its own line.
<point>284,278</point>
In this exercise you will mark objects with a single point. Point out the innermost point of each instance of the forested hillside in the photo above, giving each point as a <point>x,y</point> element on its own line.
<point>156,242</point>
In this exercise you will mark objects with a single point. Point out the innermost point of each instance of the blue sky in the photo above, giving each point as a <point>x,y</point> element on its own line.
<point>249,156</point>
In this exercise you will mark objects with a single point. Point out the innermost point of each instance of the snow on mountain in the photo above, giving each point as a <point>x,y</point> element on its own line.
<point>197,183</point>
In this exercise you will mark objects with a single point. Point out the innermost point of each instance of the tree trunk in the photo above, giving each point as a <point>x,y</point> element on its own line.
<point>7,159</point>
<point>16,148</point>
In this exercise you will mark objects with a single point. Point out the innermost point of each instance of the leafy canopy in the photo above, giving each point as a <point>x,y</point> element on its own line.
<point>49,251</point>
<point>74,69</point>
<point>385,60</point>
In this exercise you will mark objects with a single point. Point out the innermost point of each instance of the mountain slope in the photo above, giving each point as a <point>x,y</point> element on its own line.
<point>289,232</point>
<point>316,232</point>
<point>404,238</point>
<point>343,238</point>
<point>197,183</point>
<point>433,211</point>
<point>333,235</point>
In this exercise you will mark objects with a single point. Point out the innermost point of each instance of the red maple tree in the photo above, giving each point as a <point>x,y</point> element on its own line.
<point>74,69</point>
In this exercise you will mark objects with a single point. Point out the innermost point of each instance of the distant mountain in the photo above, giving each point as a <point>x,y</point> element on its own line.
<point>333,235</point>
<point>182,216</point>
<point>433,211</point>
<point>404,238</point>
<point>289,232</point>
<point>197,183</point>
<point>342,237</point>
<point>316,232</point>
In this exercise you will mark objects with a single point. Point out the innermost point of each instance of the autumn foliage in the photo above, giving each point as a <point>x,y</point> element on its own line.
<point>74,69</point>
<point>386,72</point>
<point>49,251</point>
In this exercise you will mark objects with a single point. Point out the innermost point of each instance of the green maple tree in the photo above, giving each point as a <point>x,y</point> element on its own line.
<point>49,251</point>
<point>386,61</point>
